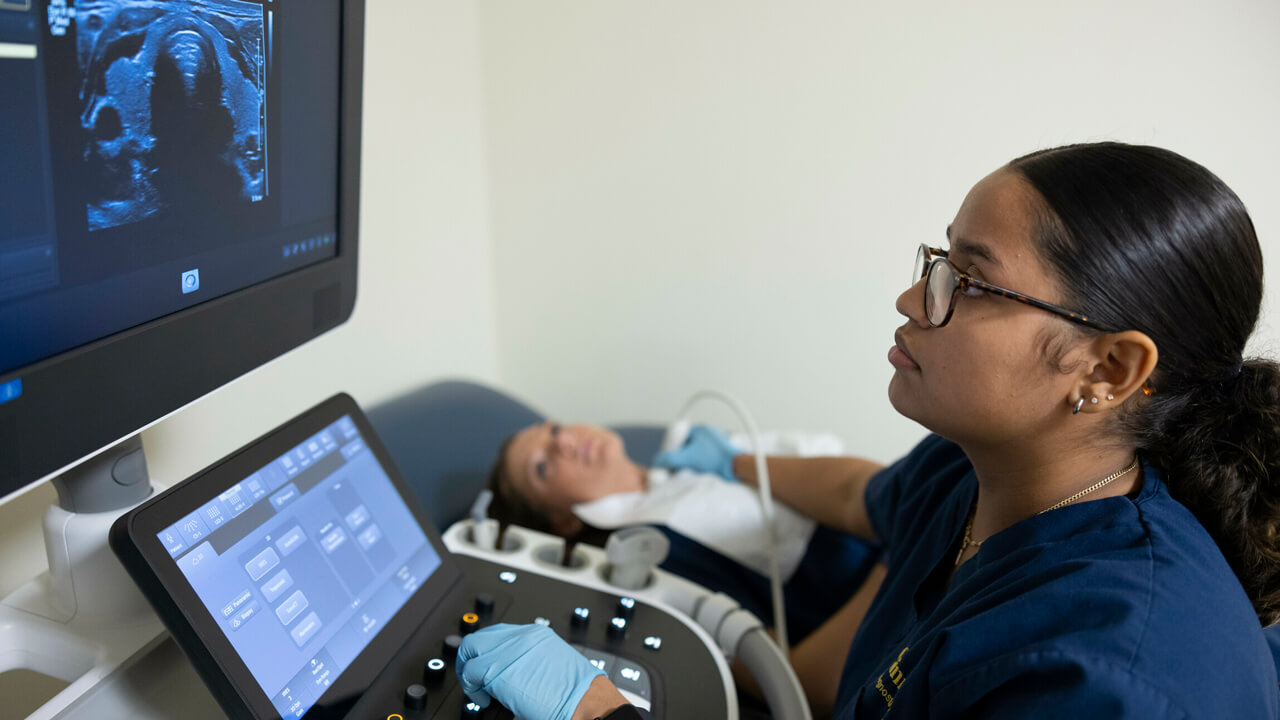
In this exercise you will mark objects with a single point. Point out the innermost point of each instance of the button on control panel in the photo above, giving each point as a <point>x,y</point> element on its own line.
<point>631,678</point>
<point>627,675</point>
<point>626,607</point>
<point>617,628</point>
<point>437,671</point>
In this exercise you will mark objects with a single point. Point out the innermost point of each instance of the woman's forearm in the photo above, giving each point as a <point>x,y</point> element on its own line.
<point>828,489</point>
<point>601,699</point>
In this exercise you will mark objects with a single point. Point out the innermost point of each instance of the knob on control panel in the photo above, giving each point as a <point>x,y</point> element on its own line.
<point>469,623</point>
<point>433,673</point>
<point>470,709</point>
<point>415,697</point>
<point>580,617</point>
<point>451,645</point>
<point>484,604</point>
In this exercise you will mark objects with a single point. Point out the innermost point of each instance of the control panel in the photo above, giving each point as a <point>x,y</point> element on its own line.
<point>659,662</point>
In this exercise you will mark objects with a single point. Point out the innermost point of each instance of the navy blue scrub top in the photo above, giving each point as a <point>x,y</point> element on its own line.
<point>1120,607</point>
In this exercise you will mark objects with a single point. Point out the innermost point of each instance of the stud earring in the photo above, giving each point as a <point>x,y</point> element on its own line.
<point>1079,404</point>
<point>1110,396</point>
<point>1093,400</point>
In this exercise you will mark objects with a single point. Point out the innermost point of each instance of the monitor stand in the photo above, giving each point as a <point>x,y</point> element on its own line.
<point>84,620</point>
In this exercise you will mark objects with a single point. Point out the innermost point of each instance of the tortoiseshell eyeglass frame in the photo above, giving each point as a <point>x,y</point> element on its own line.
<point>928,258</point>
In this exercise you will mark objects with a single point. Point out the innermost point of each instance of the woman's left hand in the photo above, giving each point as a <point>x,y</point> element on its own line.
<point>528,668</point>
<point>706,450</point>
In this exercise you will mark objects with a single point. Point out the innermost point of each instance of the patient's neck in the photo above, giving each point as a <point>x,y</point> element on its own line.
<point>642,475</point>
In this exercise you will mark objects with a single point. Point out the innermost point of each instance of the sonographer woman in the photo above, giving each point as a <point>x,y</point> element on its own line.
<point>1094,528</point>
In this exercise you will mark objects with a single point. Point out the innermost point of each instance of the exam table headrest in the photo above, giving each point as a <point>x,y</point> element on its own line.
<point>444,436</point>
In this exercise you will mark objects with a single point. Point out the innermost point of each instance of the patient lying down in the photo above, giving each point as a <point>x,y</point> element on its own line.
<point>577,481</point>
<point>579,477</point>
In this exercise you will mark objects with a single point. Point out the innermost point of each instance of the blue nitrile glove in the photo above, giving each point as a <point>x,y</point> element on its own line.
<point>528,668</point>
<point>706,450</point>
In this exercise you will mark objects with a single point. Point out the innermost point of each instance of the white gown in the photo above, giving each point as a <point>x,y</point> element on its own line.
<point>722,515</point>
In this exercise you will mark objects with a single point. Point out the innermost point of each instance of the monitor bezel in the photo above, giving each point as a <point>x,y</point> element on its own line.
<point>134,538</point>
<point>77,403</point>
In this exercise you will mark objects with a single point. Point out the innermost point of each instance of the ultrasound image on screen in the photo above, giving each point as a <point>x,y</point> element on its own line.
<point>173,106</point>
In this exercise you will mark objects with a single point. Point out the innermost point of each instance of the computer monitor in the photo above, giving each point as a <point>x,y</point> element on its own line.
<point>178,206</point>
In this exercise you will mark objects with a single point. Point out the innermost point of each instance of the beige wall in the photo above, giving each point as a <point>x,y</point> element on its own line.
<point>604,206</point>
<point>424,308</point>
<point>729,193</point>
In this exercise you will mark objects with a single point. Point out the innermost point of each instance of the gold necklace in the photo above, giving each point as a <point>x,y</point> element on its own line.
<point>968,541</point>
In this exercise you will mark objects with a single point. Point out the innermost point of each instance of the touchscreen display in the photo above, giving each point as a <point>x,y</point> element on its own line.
<point>303,562</point>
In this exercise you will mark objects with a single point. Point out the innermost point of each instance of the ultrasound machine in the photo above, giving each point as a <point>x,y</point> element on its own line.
<point>179,205</point>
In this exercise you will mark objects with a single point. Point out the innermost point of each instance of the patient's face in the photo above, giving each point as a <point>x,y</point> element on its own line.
<point>554,466</point>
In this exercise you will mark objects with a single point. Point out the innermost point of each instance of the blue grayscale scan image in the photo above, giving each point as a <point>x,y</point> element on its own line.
<point>173,100</point>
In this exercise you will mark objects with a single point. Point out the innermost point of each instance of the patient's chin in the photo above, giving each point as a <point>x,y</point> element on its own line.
<point>615,449</point>
<point>566,526</point>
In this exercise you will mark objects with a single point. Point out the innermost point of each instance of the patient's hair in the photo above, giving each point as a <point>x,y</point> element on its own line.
<point>509,508</point>
<point>1142,238</point>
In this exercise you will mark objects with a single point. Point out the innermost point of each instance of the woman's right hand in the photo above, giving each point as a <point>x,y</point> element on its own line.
<point>705,450</point>
<point>532,671</point>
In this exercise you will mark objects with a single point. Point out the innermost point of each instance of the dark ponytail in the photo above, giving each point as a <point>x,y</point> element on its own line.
<point>1142,238</point>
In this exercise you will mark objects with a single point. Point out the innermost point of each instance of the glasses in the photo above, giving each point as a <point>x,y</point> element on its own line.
<point>943,281</point>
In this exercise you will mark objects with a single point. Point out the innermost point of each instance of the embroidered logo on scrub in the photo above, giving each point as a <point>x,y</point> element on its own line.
<point>896,677</point>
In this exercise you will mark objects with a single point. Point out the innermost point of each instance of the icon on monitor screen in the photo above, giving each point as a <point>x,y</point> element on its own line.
<point>190,281</point>
<point>10,390</point>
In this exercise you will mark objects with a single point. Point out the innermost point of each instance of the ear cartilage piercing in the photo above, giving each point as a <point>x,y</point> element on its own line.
<point>1093,400</point>
<point>1079,404</point>
<point>1110,396</point>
